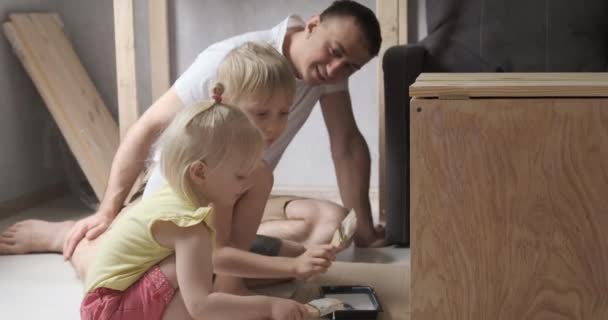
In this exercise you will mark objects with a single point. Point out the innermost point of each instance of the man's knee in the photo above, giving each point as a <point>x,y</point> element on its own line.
<point>330,213</point>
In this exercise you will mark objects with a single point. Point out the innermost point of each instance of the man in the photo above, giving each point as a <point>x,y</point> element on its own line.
<point>323,52</point>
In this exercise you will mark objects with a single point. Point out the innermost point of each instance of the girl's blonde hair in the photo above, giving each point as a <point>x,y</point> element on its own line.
<point>208,131</point>
<point>256,71</point>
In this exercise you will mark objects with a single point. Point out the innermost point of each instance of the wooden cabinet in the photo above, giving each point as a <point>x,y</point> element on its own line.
<point>509,196</point>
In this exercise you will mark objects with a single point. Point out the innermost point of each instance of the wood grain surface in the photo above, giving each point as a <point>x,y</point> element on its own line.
<point>509,206</point>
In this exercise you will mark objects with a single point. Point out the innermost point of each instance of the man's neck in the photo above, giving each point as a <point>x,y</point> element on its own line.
<point>290,48</point>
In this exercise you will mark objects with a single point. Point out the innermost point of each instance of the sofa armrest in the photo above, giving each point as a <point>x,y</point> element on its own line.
<point>401,65</point>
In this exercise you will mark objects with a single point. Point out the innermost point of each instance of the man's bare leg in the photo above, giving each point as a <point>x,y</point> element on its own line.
<point>30,236</point>
<point>309,221</point>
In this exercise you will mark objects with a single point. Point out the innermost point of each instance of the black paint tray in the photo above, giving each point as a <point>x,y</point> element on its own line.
<point>362,302</point>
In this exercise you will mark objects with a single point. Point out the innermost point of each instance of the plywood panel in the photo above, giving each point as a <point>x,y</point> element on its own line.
<point>509,209</point>
<point>68,92</point>
<point>511,85</point>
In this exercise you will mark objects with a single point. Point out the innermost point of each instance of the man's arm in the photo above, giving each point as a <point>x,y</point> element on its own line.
<point>128,162</point>
<point>135,148</point>
<point>352,164</point>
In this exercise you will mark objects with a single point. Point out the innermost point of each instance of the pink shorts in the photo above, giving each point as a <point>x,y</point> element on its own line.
<point>145,299</point>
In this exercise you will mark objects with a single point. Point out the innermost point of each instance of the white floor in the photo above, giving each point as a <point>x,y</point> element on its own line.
<point>43,286</point>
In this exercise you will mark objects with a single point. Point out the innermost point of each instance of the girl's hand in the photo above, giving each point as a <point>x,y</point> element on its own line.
<point>284,309</point>
<point>315,260</point>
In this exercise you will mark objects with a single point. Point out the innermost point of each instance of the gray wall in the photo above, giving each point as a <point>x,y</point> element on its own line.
<point>417,19</point>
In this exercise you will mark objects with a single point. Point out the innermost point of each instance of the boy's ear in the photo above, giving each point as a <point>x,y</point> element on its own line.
<point>312,23</point>
<point>197,172</point>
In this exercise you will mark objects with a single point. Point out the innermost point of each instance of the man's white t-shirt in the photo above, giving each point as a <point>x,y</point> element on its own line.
<point>194,85</point>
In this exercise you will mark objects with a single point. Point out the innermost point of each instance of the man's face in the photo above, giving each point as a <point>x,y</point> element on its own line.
<point>334,49</point>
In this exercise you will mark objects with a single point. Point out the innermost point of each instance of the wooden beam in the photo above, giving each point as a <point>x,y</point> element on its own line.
<point>126,76</point>
<point>68,92</point>
<point>403,30</point>
<point>392,15</point>
<point>159,47</point>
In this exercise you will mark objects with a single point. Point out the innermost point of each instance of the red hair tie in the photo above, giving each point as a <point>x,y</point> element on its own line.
<point>217,93</point>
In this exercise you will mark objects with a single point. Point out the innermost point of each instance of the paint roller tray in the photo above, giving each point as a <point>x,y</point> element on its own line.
<point>362,302</point>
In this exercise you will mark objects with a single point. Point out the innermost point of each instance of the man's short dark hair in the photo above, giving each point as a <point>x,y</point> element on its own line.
<point>364,18</point>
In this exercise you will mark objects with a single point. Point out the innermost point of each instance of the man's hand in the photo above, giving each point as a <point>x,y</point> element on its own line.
<point>370,238</point>
<point>90,227</point>
<point>317,259</point>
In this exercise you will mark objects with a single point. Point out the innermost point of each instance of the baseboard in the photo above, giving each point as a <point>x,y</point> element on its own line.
<point>32,199</point>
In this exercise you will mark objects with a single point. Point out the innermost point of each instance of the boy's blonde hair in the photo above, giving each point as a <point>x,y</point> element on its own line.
<point>256,71</point>
<point>209,131</point>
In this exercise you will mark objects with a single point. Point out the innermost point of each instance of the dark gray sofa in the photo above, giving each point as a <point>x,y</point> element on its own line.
<point>483,36</point>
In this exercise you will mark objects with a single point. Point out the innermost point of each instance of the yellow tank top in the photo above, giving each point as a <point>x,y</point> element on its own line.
<point>128,249</point>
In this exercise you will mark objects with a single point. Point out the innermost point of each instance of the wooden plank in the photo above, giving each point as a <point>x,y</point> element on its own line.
<point>68,92</point>
<point>512,85</point>
<point>392,15</point>
<point>95,136</point>
<point>51,27</point>
<point>126,77</point>
<point>402,20</point>
<point>514,89</point>
<point>509,209</point>
<point>159,47</point>
<point>515,76</point>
